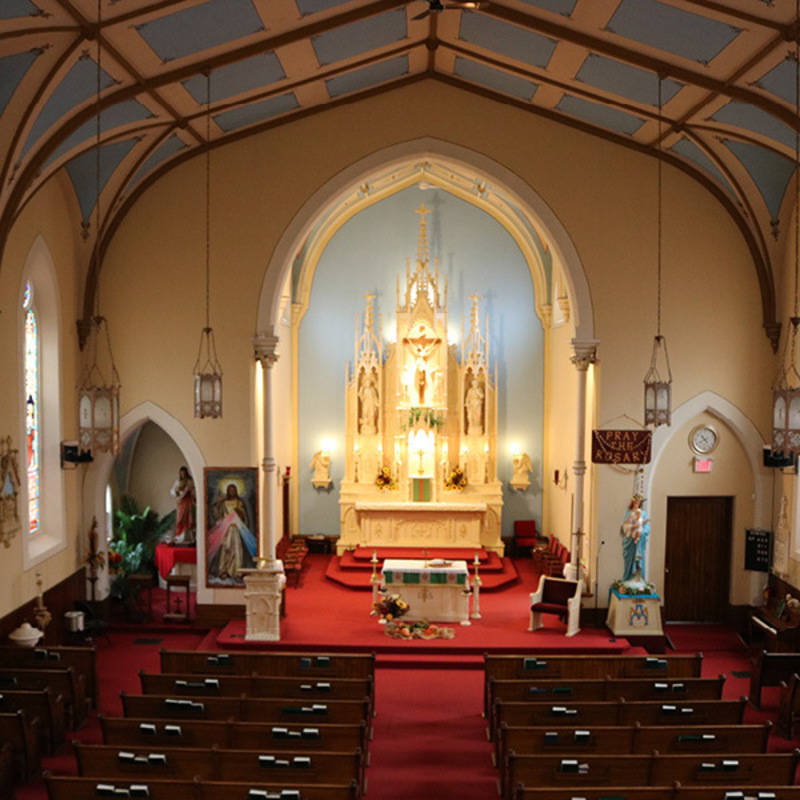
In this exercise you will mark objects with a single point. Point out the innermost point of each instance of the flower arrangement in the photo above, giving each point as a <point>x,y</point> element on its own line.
<point>417,630</point>
<point>430,418</point>
<point>385,479</point>
<point>390,606</point>
<point>456,480</point>
<point>633,589</point>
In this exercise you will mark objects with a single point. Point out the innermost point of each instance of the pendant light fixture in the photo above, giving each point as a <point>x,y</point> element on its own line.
<point>207,369</point>
<point>98,399</point>
<point>658,378</point>
<point>786,388</point>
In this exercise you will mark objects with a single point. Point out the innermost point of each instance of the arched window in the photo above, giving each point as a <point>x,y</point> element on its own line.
<point>40,407</point>
<point>33,446</point>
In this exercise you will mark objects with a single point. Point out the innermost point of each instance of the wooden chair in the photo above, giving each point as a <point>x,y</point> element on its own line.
<point>556,596</point>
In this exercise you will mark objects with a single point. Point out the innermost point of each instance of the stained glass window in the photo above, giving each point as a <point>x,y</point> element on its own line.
<point>32,417</point>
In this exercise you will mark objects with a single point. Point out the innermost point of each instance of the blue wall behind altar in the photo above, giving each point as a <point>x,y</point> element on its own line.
<point>365,256</point>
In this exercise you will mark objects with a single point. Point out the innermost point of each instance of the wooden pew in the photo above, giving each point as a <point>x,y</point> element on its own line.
<point>507,667</point>
<point>788,706</point>
<point>6,772</point>
<point>246,709</point>
<point>255,686</point>
<point>22,734</point>
<point>291,766</point>
<point>660,793</point>
<point>43,704</point>
<point>230,734</point>
<point>64,681</point>
<point>71,788</point>
<point>82,659</point>
<point>559,690</point>
<point>769,669</point>
<point>655,770</point>
<point>305,665</point>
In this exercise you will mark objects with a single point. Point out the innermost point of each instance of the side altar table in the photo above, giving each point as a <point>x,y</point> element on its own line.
<point>435,592</point>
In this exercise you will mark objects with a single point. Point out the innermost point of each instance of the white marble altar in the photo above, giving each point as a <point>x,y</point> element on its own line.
<point>435,591</point>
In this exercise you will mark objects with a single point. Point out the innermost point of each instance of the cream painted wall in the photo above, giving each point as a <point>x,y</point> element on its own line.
<point>731,476</point>
<point>154,468</point>
<point>152,288</point>
<point>53,216</point>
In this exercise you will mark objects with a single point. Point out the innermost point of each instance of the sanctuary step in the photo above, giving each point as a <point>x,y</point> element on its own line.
<point>353,569</point>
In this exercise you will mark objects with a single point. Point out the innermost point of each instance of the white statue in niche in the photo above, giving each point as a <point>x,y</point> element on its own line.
<point>420,381</point>
<point>321,464</point>
<point>368,394</point>
<point>473,401</point>
<point>522,466</point>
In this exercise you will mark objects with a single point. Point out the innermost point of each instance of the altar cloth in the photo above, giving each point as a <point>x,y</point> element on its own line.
<point>167,555</point>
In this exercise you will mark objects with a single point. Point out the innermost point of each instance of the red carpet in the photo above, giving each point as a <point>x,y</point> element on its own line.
<point>323,615</point>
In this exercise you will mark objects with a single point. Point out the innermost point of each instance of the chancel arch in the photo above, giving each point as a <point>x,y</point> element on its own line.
<point>100,472</point>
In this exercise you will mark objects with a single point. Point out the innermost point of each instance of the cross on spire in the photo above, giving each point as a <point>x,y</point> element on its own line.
<point>422,243</point>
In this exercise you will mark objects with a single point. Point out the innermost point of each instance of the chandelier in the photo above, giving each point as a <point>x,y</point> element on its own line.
<point>786,387</point>
<point>658,378</point>
<point>207,369</point>
<point>98,398</point>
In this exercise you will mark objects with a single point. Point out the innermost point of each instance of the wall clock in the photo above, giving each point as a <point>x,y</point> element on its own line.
<point>703,439</point>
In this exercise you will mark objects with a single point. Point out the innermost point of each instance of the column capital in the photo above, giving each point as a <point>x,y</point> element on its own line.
<point>584,353</point>
<point>265,346</point>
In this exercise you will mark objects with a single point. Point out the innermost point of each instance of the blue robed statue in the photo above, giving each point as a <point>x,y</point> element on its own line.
<point>635,531</point>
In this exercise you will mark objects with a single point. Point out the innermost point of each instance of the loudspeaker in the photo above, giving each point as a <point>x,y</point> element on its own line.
<point>777,459</point>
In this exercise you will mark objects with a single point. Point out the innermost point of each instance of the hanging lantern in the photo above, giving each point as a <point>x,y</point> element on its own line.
<point>786,398</point>
<point>98,400</point>
<point>658,387</point>
<point>207,378</point>
<point>207,370</point>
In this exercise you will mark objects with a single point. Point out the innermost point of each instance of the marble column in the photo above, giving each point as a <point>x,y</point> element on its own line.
<point>584,354</point>
<point>263,585</point>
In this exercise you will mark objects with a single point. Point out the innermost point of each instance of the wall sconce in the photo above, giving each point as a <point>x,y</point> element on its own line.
<point>560,479</point>
<point>522,466</point>
<point>321,464</point>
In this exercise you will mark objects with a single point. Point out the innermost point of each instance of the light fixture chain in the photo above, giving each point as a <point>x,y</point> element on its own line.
<point>208,198</point>
<point>658,156</point>
<point>97,154</point>
<point>796,157</point>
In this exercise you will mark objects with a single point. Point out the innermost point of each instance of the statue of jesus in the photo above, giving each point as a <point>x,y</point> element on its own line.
<point>420,380</point>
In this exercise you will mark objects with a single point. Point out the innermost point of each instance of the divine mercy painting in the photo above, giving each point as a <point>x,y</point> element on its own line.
<point>231,506</point>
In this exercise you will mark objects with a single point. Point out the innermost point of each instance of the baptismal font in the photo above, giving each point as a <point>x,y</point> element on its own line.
<point>421,425</point>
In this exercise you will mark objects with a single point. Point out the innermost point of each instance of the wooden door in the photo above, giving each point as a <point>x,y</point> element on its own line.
<point>698,558</point>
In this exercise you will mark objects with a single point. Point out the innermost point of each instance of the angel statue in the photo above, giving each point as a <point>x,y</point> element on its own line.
<point>522,466</point>
<point>321,464</point>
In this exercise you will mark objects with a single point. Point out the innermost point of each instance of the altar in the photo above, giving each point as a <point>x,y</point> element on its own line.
<point>421,444</point>
<point>437,591</point>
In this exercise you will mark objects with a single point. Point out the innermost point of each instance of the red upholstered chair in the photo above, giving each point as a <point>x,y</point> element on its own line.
<point>556,596</point>
<point>525,535</point>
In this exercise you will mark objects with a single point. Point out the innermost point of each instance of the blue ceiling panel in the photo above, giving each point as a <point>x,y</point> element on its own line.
<point>769,170</point>
<point>754,119</point>
<point>605,116</point>
<point>668,28</point>
<point>781,80</point>
<point>112,117</point>
<point>198,28</point>
<point>358,37</point>
<point>242,76</point>
<point>79,84</point>
<point>494,79</point>
<point>11,9</point>
<point>565,7</point>
<point>367,76</point>
<point>163,151</point>
<point>12,71</point>
<point>689,150</point>
<point>255,112</point>
<point>313,6</point>
<point>634,83</point>
<point>507,39</point>
<point>82,171</point>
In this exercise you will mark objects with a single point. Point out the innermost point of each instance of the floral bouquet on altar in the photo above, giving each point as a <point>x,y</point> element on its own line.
<point>385,479</point>
<point>390,606</point>
<point>457,479</point>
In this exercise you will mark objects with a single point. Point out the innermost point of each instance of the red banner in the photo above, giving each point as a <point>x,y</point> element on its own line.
<point>621,447</point>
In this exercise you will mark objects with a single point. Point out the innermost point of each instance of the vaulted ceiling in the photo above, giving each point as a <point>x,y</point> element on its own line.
<point>726,67</point>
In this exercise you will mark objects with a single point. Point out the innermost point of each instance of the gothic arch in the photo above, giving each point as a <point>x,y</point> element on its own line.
<point>100,471</point>
<point>330,199</point>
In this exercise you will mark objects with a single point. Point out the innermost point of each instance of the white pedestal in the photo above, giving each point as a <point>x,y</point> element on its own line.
<point>262,596</point>
<point>634,615</point>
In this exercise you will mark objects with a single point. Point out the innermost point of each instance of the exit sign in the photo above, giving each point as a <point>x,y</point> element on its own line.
<point>703,464</point>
